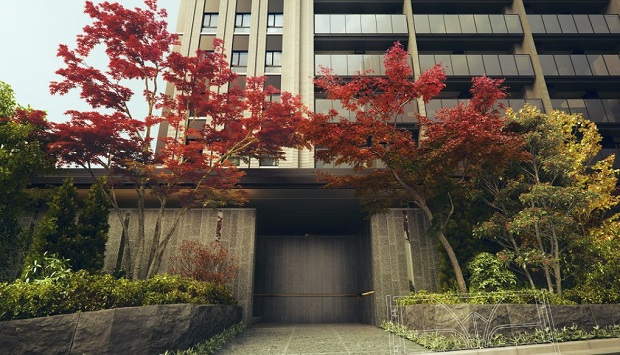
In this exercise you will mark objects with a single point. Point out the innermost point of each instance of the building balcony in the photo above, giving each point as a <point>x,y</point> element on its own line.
<point>434,105</point>
<point>324,106</point>
<point>459,6</point>
<point>515,68</point>
<point>580,65</point>
<point>351,64</point>
<point>570,32</point>
<point>467,31</point>
<point>359,32</point>
<point>360,6</point>
<point>601,111</point>
<point>564,6</point>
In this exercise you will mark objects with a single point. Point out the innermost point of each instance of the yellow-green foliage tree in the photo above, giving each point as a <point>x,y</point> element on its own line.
<point>553,200</point>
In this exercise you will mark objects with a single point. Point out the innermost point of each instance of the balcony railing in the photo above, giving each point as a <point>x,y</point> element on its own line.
<point>326,105</point>
<point>516,104</point>
<point>467,24</point>
<point>596,110</point>
<point>574,24</point>
<point>600,65</point>
<point>502,65</point>
<point>360,24</point>
<point>350,64</point>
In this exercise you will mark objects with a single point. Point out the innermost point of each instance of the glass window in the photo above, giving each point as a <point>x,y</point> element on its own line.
<point>508,65</point>
<point>321,61</point>
<point>552,25</point>
<point>399,24</point>
<point>578,106</point>
<point>536,23</point>
<point>583,24</point>
<point>548,65</point>
<point>369,24</point>
<point>516,104</point>
<point>560,104</point>
<point>242,23</point>
<point>580,63</point>
<point>427,61</point>
<point>353,24</point>
<point>209,23</point>
<point>322,105</point>
<point>459,64</point>
<point>596,111</point>
<point>421,24</point>
<point>567,24</point>
<point>491,65</point>
<point>498,25</point>
<point>321,24</point>
<point>536,102</point>
<point>276,21</point>
<point>468,25</point>
<point>437,24</point>
<point>273,62</point>
<point>597,64</point>
<point>513,23</point>
<point>372,62</point>
<point>239,61</point>
<point>452,23</point>
<point>432,107</point>
<point>524,65</point>
<point>483,25</point>
<point>355,64</point>
<point>384,24</point>
<point>598,24</point>
<point>612,107</point>
<point>564,64</point>
<point>613,22</point>
<point>339,64</point>
<point>337,23</point>
<point>475,65</point>
<point>268,161</point>
<point>613,63</point>
<point>446,62</point>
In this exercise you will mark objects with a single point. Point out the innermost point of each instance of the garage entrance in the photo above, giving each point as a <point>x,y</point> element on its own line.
<point>309,279</point>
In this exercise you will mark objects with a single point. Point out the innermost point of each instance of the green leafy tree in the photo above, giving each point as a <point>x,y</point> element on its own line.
<point>21,158</point>
<point>489,274</point>
<point>88,252</point>
<point>56,232</point>
<point>553,199</point>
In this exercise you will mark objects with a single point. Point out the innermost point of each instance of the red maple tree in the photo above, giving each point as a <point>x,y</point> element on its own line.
<point>461,144</point>
<point>212,122</point>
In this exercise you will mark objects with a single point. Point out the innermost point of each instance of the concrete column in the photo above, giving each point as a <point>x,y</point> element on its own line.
<point>389,262</point>
<point>539,89</point>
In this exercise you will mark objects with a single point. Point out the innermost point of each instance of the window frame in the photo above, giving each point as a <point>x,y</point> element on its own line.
<point>243,22</point>
<point>212,16</point>
<point>272,22</point>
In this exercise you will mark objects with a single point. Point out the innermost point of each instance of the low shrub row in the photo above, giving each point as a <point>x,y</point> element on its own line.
<point>212,345</point>
<point>514,297</point>
<point>438,342</point>
<point>81,292</point>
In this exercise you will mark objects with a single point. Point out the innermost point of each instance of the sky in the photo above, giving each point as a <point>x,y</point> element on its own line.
<point>31,30</point>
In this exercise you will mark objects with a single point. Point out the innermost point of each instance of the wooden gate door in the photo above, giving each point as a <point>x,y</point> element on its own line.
<point>307,279</point>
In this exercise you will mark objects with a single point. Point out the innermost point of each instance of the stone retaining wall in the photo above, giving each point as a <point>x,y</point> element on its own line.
<point>131,330</point>
<point>503,318</point>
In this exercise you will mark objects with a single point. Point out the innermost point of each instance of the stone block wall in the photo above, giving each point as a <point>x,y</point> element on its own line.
<point>131,330</point>
<point>237,232</point>
<point>505,318</point>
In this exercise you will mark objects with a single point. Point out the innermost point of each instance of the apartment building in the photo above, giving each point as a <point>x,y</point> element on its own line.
<point>313,255</point>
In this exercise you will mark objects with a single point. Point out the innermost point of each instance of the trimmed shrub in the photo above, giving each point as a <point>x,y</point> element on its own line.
<point>82,292</point>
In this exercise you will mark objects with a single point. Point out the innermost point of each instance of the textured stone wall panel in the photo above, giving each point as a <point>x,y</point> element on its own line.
<point>131,330</point>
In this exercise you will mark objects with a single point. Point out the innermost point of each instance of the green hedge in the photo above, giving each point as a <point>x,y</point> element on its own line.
<point>82,292</point>
<point>514,297</point>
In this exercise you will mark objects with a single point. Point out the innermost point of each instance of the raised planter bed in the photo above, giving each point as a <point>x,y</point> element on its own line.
<point>131,330</point>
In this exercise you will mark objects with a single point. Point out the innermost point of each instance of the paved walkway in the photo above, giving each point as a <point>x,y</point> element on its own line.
<point>276,339</point>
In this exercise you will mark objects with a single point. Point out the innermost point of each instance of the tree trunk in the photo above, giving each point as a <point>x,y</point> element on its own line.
<point>155,263</point>
<point>139,245</point>
<point>458,273</point>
